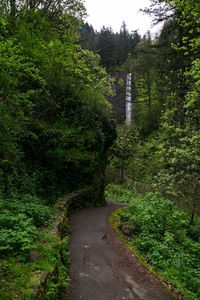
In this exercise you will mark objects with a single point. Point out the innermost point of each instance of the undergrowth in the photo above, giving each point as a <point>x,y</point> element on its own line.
<point>19,220</point>
<point>26,247</point>
<point>118,193</point>
<point>163,237</point>
<point>16,276</point>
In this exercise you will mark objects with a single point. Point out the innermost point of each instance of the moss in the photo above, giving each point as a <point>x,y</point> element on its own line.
<point>34,280</point>
<point>114,221</point>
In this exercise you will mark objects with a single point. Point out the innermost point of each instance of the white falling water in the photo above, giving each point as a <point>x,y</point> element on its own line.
<point>128,99</point>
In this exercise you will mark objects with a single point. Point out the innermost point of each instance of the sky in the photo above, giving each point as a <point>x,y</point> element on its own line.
<point>114,12</point>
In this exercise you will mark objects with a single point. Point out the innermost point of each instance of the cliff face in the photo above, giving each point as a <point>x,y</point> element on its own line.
<point>118,101</point>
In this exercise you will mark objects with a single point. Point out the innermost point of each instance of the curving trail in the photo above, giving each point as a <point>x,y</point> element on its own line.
<point>102,267</point>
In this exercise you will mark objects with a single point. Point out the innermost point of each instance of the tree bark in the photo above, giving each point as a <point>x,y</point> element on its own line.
<point>149,91</point>
<point>12,8</point>
<point>122,173</point>
<point>193,214</point>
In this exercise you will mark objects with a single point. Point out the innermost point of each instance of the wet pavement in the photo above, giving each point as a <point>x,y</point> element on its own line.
<point>102,267</point>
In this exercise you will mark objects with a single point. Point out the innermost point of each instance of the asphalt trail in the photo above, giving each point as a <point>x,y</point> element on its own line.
<point>102,267</point>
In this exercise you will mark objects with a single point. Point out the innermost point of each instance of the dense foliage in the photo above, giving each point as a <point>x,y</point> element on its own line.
<point>163,236</point>
<point>55,126</point>
<point>55,130</point>
<point>162,150</point>
<point>18,223</point>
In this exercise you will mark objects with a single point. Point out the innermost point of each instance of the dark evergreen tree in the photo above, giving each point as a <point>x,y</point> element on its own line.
<point>105,47</point>
<point>88,37</point>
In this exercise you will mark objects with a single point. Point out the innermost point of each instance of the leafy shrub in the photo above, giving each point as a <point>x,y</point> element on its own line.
<point>32,208</point>
<point>163,236</point>
<point>117,193</point>
<point>18,221</point>
<point>17,234</point>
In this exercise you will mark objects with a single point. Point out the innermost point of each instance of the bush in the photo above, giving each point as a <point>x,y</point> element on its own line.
<point>163,236</point>
<point>19,220</point>
<point>17,234</point>
<point>117,193</point>
<point>38,212</point>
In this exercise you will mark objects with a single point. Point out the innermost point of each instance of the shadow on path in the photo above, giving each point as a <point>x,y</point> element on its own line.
<point>102,267</point>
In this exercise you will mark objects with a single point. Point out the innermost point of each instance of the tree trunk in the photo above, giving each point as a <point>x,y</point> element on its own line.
<point>181,80</point>
<point>122,173</point>
<point>12,8</point>
<point>193,214</point>
<point>32,4</point>
<point>182,100</point>
<point>149,91</point>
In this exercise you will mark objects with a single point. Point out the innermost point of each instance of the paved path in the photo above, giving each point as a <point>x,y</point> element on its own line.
<point>102,268</point>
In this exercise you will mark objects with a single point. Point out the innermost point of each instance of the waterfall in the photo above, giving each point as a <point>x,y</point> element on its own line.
<point>128,99</point>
